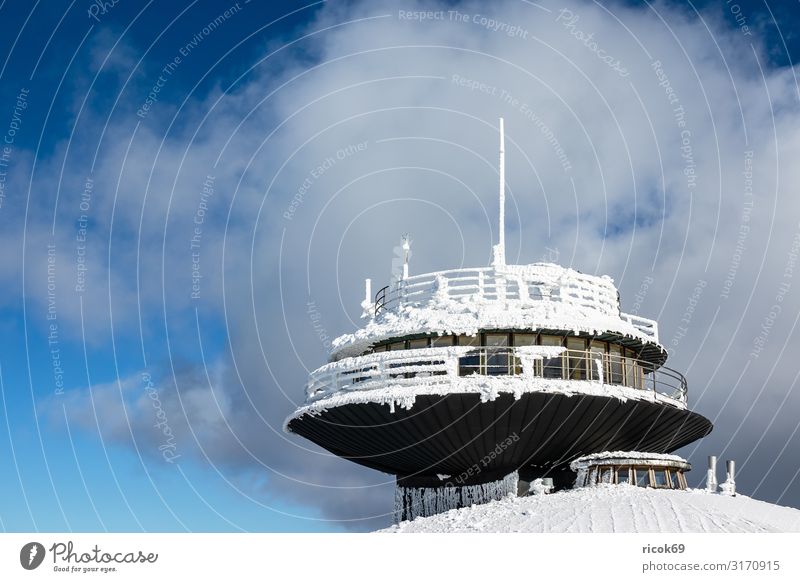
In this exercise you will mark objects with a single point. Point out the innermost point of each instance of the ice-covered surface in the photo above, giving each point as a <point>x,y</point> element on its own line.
<point>586,459</point>
<point>614,508</point>
<point>488,387</point>
<point>412,502</point>
<point>463,301</point>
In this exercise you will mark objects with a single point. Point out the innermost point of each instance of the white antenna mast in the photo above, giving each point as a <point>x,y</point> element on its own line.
<point>500,249</point>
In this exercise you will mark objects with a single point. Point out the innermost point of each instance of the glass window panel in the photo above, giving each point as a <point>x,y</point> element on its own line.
<point>416,344</point>
<point>496,339</point>
<point>624,475</point>
<point>671,480</point>
<point>380,348</point>
<point>597,358</point>
<point>606,475</point>
<point>469,340</point>
<point>524,339</point>
<point>470,363</point>
<point>551,367</point>
<point>397,346</point>
<point>576,343</point>
<point>577,358</point>
<point>660,478</point>
<point>497,354</point>
<point>441,341</point>
<point>615,364</point>
<point>631,373</point>
<point>642,477</point>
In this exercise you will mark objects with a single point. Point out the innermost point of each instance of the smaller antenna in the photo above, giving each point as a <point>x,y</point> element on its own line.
<point>500,249</point>
<point>406,254</point>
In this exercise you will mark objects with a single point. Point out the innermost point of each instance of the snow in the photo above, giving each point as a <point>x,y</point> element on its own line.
<point>489,388</point>
<point>613,508</point>
<point>464,301</point>
<point>416,501</point>
<point>582,462</point>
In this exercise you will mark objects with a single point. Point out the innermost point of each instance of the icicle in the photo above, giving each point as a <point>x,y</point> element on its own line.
<point>413,502</point>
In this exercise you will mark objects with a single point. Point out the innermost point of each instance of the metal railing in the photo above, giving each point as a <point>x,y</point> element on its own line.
<point>489,284</point>
<point>450,364</point>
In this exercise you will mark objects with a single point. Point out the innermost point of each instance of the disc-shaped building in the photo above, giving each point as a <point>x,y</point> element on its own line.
<point>468,384</point>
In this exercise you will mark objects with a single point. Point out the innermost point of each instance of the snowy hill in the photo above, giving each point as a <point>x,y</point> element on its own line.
<point>613,508</point>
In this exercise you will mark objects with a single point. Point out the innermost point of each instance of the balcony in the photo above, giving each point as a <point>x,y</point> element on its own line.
<point>530,365</point>
<point>518,286</point>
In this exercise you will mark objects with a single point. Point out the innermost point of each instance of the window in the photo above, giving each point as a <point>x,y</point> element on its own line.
<point>551,367</point>
<point>660,478</point>
<point>441,341</point>
<point>632,370</point>
<point>577,358</point>
<point>397,346</point>
<point>525,339</point>
<point>606,475</point>
<point>624,475</point>
<point>597,361</point>
<point>471,362</point>
<point>416,344</point>
<point>497,354</point>
<point>380,348</point>
<point>671,480</point>
<point>642,476</point>
<point>615,364</point>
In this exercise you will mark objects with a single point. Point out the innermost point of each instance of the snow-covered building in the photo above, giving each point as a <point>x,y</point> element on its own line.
<point>470,384</point>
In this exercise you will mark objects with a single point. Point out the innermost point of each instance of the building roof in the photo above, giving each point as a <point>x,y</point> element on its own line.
<point>614,508</point>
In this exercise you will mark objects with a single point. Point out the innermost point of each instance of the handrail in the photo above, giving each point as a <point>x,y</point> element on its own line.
<point>441,365</point>
<point>523,287</point>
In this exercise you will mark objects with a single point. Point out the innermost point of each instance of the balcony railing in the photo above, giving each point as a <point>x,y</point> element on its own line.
<point>450,364</point>
<point>489,284</point>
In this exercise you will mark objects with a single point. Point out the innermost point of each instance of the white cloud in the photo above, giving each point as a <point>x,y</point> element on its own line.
<point>428,167</point>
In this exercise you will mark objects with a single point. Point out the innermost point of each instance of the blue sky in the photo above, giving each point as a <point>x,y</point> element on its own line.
<point>255,103</point>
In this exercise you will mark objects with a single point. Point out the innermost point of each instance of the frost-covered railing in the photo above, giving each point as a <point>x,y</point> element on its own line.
<point>442,365</point>
<point>525,284</point>
<point>648,327</point>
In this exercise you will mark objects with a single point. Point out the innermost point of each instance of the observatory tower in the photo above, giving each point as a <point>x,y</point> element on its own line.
<point>469,384</point>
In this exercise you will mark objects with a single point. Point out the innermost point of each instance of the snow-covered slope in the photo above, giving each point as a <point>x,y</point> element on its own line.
<point>614,508</point>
